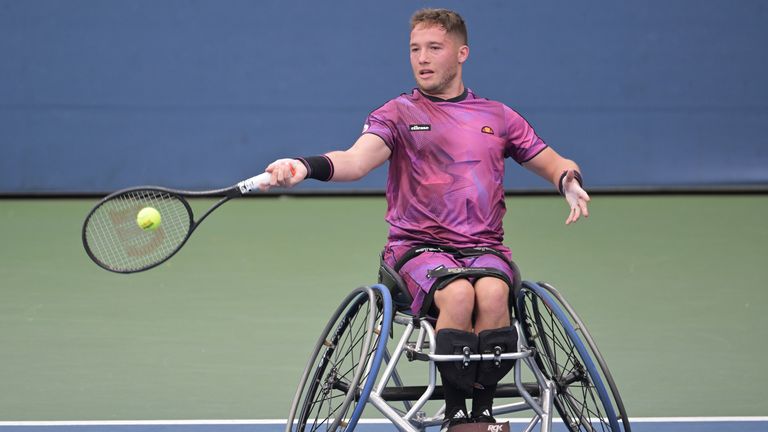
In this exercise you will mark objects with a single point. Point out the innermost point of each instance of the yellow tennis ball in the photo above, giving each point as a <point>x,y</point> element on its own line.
<point>148,218</point>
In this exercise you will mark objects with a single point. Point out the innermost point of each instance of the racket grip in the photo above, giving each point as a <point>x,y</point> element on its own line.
<point>252,183</point>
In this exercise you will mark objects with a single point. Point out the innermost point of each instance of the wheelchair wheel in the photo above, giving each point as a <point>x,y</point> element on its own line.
<point>567,355</point>
<point>334,386</point>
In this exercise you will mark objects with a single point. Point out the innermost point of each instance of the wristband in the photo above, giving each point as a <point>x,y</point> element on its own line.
<point>318,167</point>
<point>576,175</point>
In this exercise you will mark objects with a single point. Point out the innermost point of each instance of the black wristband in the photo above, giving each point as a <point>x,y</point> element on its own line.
<point>318,167</point>
<point>576,175</point>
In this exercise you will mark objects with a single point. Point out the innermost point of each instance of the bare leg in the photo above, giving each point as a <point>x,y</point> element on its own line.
<point>492,304</point>
<point>456,302</point>
<point>492,313</point>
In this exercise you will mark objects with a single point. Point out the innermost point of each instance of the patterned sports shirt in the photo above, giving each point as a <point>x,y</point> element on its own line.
<point>446,172</point>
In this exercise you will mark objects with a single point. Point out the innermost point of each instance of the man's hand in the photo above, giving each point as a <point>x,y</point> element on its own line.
<point>576,196</point>
<point>285,173</point>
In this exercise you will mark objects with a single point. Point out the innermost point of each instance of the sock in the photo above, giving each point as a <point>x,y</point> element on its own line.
<point>455,400</point>
<point>482,400</point>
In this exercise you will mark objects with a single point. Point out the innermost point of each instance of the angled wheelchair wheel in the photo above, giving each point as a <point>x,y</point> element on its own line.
<point>346,358</point>
<point>586,396</point>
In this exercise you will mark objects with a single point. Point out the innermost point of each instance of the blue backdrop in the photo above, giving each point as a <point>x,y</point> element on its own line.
<point>96,95</point>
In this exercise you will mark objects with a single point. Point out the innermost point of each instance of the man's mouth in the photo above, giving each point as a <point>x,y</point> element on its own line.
<point>426,73</point>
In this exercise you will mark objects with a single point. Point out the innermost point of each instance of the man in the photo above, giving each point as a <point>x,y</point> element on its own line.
<point>446,149</point>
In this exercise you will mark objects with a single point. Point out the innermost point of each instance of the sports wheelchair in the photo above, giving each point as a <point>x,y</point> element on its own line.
<point>351,366</point>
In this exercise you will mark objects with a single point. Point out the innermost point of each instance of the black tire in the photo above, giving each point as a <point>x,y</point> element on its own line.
<point>567,355</point>
<point>331,383</point>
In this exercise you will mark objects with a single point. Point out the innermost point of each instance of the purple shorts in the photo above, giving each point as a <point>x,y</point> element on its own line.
<point>414,272</point>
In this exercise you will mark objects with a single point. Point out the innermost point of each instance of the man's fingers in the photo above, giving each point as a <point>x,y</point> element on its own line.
<point>573,216</point>
<point>281,171</point>
<point>577,210</point>
<point>577,200</point>
<point>584,208</point>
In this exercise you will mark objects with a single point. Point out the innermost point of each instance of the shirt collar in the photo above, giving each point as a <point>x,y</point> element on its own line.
<point>458,98</point>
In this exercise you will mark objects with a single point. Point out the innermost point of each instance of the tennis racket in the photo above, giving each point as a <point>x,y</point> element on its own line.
<point>114,240</point>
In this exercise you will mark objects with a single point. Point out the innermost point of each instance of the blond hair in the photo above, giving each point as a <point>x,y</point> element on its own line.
<point>451,21</point>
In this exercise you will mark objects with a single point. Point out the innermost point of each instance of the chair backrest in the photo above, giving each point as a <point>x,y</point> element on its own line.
<point>401,297</point>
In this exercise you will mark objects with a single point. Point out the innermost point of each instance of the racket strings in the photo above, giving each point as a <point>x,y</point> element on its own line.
<point>116,241</point>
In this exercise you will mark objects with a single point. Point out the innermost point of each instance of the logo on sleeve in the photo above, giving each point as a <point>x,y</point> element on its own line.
<point>420,127</point>
<point>487,130</point>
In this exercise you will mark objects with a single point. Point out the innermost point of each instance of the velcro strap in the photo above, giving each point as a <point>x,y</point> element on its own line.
<point>482,250</point>
<point>418,250</point>
<point>464,252</point>
<point>443,271</point>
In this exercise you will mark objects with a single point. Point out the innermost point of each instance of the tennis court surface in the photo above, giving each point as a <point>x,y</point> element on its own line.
<point>671,287</point>
<point>732,424</point>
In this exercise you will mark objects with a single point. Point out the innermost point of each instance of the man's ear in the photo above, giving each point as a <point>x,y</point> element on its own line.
<point>463,53</point>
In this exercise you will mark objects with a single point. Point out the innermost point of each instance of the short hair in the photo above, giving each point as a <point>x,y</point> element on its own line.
<point>451,21</point>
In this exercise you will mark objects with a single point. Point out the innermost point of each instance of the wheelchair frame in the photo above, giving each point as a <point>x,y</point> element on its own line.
<point>347,359</point>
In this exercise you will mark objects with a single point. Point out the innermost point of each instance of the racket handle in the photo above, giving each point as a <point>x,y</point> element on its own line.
<point>252,183</point>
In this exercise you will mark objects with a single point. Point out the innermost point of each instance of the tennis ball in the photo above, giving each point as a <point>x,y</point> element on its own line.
<point>148,218</point>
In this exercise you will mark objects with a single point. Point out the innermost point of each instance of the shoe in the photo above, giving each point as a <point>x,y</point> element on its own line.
<point>483,417</point>
<point>458,418</point>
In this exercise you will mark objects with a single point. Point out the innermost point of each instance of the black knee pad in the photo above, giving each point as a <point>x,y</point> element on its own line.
<point>457,374</point>
<point>505,338</point>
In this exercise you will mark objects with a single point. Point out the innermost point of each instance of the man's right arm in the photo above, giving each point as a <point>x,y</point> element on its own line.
<point>368,152</point>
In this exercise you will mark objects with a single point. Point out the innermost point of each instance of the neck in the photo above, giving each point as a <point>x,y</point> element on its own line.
<point>459,98</point>
<point>451,92</point>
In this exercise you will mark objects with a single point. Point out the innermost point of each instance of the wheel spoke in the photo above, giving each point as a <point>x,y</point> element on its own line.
<point>559,347</point>
<point>341,367</point>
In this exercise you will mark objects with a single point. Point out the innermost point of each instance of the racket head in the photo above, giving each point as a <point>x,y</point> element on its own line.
<point>113,239</point>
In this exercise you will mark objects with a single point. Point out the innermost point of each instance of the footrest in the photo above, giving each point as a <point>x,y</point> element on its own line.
<point>412,393</point>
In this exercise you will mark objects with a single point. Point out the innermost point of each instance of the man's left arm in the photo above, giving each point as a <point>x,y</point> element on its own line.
<point>565,175</point>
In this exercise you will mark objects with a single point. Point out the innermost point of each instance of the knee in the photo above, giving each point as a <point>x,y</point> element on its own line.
<point>492,296</point>
<point>457,298</point>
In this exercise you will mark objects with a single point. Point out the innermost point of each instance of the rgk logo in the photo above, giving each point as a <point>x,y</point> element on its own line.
<point>495,427</point>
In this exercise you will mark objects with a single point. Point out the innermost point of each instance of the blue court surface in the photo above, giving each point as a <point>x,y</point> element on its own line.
<point>681,424</point>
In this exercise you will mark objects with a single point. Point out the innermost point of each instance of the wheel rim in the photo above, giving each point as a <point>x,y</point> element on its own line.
<point>577,399</point>
<point>340,368</point>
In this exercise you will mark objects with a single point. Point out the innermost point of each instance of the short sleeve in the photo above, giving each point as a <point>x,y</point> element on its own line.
<point>381,122</point>
<point>522,142</point>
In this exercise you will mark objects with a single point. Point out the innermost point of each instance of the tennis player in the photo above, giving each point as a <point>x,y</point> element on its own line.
<point>446,148</point>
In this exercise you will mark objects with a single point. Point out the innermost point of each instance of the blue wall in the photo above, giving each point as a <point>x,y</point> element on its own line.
<point>100,94</point>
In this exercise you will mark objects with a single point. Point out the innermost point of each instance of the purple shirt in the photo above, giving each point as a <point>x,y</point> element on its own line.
<point>446,171</point>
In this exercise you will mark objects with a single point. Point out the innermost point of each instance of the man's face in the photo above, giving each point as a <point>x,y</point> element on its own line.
<point>436,59</point>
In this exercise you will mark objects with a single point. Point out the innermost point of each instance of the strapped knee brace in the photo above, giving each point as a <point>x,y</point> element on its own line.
<point>500,340</point>
<point>457,374</point>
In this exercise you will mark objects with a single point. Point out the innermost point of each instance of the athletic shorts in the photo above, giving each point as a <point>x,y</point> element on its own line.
<point>414,272</point>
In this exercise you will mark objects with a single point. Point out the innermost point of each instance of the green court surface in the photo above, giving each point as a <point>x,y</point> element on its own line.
<point>674,289</point>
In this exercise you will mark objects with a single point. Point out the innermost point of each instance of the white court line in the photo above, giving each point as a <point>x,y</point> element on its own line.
<point>369,421</point>
<point>139,422</point>
<point>697,419</point>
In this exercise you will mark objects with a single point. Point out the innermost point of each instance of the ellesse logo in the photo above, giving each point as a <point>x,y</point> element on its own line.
<point>420,127</point>
<point>487,130</point>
